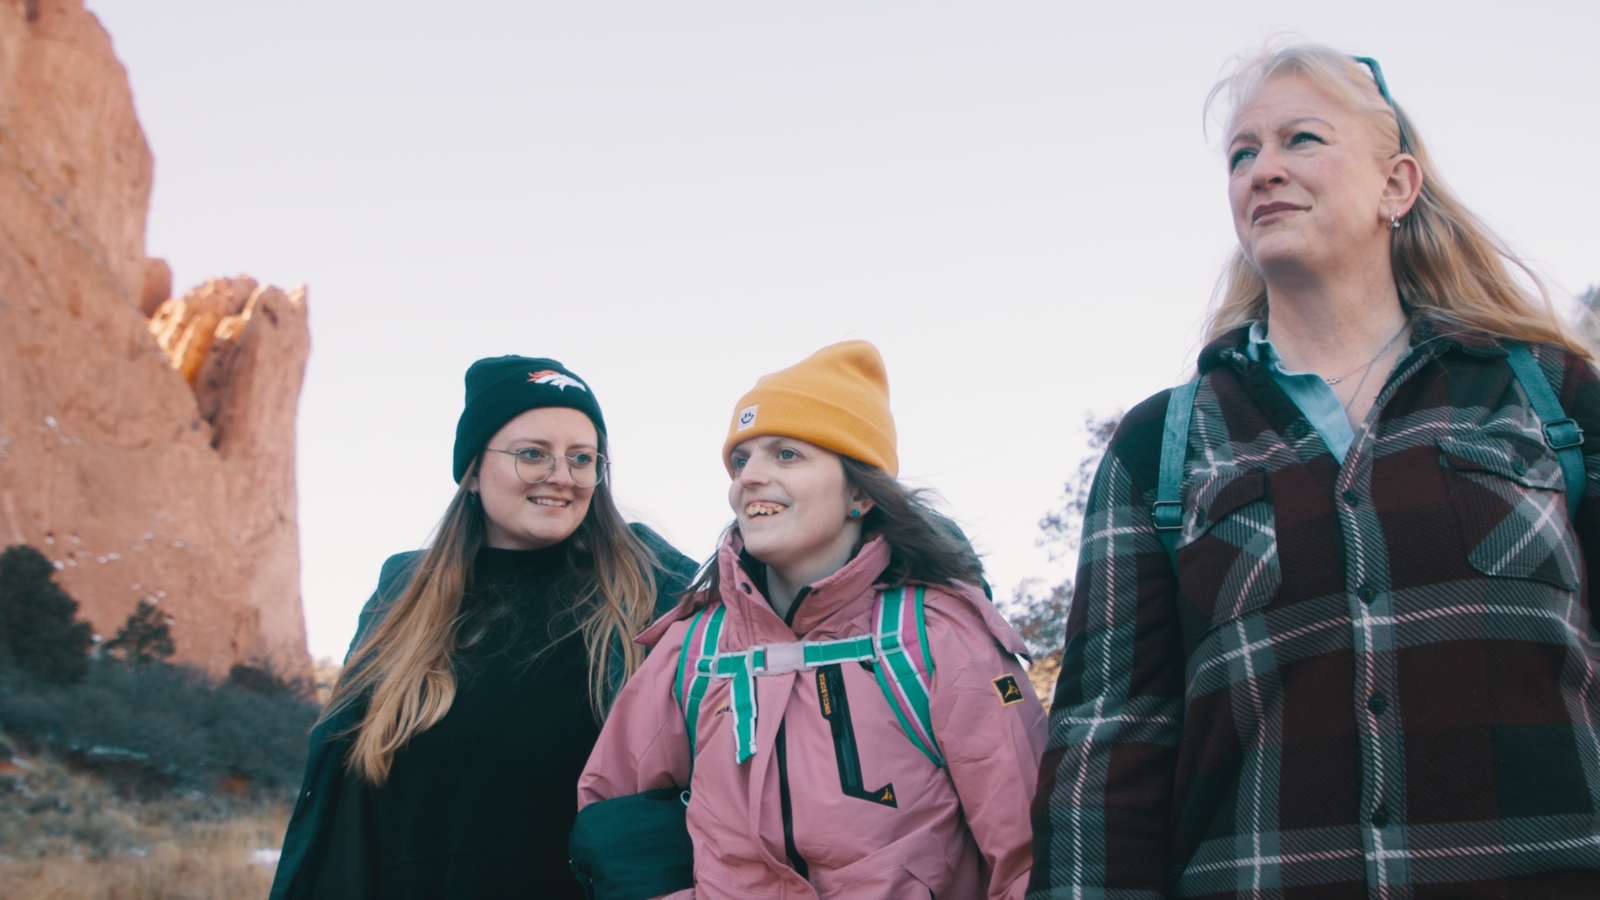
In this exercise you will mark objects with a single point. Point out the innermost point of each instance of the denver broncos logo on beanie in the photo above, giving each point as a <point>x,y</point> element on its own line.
<point>560,380</point>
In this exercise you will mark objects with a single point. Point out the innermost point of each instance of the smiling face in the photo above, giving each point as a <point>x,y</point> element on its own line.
<point>794,503</point>
<point>522,516</point>
<point>1310,188</point>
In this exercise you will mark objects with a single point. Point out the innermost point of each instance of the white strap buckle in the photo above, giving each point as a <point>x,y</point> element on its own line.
<point>779,658</point>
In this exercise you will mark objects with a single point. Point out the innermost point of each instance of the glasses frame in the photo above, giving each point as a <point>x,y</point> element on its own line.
<point>602,466</point>
<point>1383,89</point>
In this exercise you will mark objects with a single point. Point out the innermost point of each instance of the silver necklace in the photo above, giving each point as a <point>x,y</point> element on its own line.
<point>1363,382</point>
<point>1368,367</point>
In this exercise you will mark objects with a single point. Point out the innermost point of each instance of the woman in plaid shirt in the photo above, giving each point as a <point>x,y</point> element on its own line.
<point>1370,669</point>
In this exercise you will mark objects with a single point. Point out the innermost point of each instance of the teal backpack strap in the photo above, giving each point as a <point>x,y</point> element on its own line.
<point>902,683</point>
<point>703,660</point>
<point>1561,433</point>
<point>903,676</point>
<point>1167,511</point>
<point>737,666</point>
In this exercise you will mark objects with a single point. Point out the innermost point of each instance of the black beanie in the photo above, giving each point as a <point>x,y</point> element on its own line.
<point>500,388</point>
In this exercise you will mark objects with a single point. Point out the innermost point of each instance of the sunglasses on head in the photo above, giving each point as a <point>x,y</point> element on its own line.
<point>1383,88</point>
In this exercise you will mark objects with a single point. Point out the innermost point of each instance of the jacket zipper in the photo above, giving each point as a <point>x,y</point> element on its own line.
<point>795,859</point>
<point>795,606</point>
<point>836,709</point>
<point>782,749</point>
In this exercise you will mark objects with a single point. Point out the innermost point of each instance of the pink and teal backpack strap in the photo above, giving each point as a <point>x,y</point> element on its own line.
<point>898,646</point>
<point>696,661</point>
<point>905,667</point>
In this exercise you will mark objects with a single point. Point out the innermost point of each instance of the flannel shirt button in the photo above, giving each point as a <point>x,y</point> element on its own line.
<point>746,588</point>
<point>1297,430</point>
<point>1380,817</point>
<point>1377,704</point>
<point>1352,498</point>
<point>1519,467</point>
<point>1367,593</point>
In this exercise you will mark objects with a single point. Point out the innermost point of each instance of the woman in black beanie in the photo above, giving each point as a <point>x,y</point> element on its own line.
<point>446,764</point>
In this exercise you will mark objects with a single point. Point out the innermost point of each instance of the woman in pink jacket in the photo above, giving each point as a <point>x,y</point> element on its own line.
<point>841,700</point>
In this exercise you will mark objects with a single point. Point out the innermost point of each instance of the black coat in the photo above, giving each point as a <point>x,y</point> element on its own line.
<point>330,741</point>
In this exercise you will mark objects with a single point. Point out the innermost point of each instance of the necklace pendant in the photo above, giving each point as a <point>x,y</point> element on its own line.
<point>1333,381</point>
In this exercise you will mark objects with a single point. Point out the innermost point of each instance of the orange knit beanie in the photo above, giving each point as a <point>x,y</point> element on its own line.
<point>837,398</point>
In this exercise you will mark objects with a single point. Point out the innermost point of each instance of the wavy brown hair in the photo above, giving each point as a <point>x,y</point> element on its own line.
<point>1445,260</point>
<point>403,669</point>
<point>923,545</point>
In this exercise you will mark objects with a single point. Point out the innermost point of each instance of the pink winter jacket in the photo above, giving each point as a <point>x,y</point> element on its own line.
<point>959,832</point>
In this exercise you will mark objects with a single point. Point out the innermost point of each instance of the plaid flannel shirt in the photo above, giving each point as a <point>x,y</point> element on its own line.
<point>1377,680</point>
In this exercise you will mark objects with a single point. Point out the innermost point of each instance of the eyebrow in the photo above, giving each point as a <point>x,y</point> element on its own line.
<point>1282,126</point>
<point>544,443</point>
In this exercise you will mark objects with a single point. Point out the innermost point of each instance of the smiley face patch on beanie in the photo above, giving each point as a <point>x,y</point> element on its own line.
<point>556,379</point>
<point>747,416</point>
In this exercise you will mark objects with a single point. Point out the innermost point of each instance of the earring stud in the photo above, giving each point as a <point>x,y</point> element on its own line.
<point>1394,222</point>
<point>855,513</point>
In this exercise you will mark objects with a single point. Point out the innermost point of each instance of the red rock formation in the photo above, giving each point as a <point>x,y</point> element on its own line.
<point>146,443</point>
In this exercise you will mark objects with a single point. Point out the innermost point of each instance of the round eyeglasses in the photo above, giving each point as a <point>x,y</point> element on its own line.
<point>535,465</point>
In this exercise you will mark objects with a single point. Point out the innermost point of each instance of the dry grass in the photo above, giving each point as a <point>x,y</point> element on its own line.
<point>67,835</point>
<point>204,863</point>
<point>1043,674</point>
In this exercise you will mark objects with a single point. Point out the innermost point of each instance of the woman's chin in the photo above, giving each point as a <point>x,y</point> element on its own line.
<point>763,542</point>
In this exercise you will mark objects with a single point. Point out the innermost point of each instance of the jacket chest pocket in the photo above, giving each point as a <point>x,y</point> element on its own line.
<point>1228,562</point>
<point>1510,497</point>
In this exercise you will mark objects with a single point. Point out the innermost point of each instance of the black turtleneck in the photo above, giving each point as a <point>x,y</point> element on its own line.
<point>480,805</point>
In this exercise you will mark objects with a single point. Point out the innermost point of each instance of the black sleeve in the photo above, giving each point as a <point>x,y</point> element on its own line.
<point>675,572</point>
<point>348,869</point>
<point>392,579</point>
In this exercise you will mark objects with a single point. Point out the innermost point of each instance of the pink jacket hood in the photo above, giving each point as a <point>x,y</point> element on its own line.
<point>836,789</point>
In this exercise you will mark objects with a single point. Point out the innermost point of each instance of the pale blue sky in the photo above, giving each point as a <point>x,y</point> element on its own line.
<point>1015,201</point>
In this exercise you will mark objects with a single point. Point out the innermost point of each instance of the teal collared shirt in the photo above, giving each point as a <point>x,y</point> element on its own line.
<point>1308,391</point>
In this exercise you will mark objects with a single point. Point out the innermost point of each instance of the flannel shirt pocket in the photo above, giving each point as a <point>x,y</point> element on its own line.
<point>1510,496</point>
<point>1228,559</point>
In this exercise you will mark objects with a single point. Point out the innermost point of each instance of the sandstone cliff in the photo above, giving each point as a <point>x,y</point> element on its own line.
<point>146,443</point>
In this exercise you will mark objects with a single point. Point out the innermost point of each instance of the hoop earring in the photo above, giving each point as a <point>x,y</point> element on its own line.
<point>1394,222</point>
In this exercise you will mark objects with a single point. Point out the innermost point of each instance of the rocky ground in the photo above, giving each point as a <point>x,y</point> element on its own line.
<point>68,833</point>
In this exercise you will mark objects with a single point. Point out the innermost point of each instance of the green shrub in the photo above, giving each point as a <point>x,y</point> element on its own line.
<point>145,638</point>
<point>163,721</point>
<point>38,619</point>
<point>257,680</point>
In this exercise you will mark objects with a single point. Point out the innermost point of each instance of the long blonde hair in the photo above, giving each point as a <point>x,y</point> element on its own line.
<point>1445,260</point>
<point>403,669</point>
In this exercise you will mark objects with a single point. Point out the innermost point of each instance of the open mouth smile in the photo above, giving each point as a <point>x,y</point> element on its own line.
<point>759,508</point>
<point>550,501</point>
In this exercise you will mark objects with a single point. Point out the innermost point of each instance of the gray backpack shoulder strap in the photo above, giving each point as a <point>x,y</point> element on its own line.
<point>1561,433</point>
<point>1167,511</point>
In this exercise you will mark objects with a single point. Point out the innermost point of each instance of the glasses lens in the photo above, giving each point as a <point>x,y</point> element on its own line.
<point>533,464</point>
<point>587,469</point>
